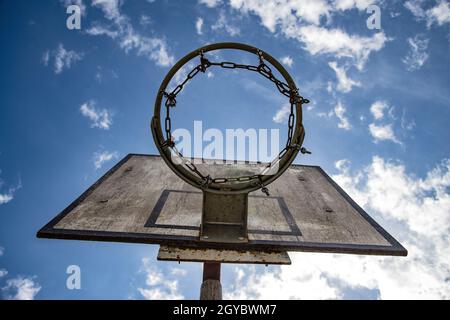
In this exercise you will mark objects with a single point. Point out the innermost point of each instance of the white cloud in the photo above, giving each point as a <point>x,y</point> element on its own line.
<point>223,24</point>
<point>46,58</point>
<point>178,272</point>
<point>99,118</point>
<point>210,3</point>
<point>383,132</point>
<point>415,7</point>
<point>301,20</point>
<point>417,54</point>
<point>328,114</point>
<point>286,60</point>
<point>5,198</point>
<point>293,13</point>
<point>350,4</point>
<point>159,287</point>
<point>304,283</point>
<point>422,203</point>
<point>330,87</point>
<point>199,25</point>
<point>153,48</point>
<point>407,124</point>
<point>282,114</point>
<point>416,210</point>
<point>311,11</point>
<point>339,111</point>
<point>110,8</point>
<point>345,84</point>
<point>99,30</point>
<point>145,20</point>
<point>101,157</point>
<point>21,288</point>
<point>377,109</point>
<point>8,196</point>
<point>336,42</point>
<point>62,58</point>
<point>284,13</point>
<point>439,14</point>
<point>342,165</point>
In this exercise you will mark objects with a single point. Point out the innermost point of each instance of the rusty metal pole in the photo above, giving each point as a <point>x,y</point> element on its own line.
<point>211,288</point>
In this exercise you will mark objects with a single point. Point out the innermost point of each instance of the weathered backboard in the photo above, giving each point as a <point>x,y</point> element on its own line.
<point>141,200</point>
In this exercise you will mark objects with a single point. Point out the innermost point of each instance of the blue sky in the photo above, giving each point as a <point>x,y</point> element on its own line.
<point>73,102</point>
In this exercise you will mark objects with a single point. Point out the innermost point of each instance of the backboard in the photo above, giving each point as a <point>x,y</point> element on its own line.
<point>140,200</point>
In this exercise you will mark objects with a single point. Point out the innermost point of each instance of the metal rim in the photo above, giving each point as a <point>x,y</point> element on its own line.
<point>227,188</point>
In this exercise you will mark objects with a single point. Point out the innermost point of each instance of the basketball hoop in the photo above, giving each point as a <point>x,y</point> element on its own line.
<point>188,171</point>
<point>225,199</point>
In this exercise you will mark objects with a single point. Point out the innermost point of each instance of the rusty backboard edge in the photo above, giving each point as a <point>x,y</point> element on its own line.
<point>369,219</point>
<point>192,242</point>
<point>48,231</point>
<point>49,226</point>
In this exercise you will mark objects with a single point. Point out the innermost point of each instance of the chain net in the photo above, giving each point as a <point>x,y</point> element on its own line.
<point>263,69</point>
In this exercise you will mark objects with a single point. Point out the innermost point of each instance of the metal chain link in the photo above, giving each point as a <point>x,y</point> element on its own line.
<point>265,71</point>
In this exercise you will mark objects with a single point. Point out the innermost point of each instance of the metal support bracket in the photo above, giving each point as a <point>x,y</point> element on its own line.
<point>224,218</point>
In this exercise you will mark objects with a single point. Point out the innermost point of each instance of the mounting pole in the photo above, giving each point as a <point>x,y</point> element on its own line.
<point>211,288</point>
